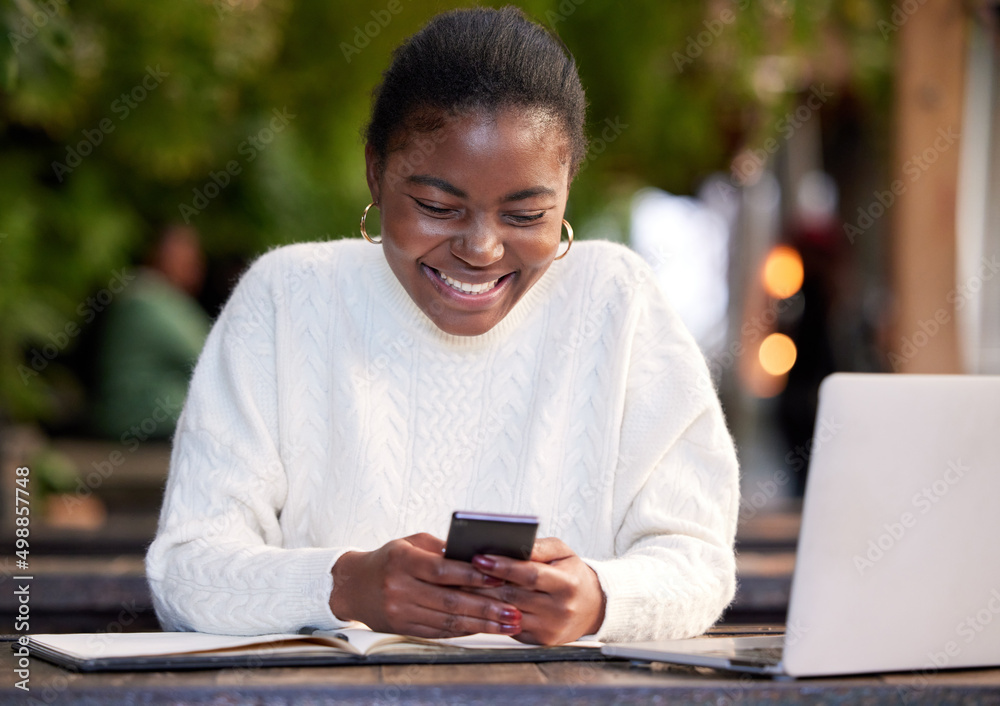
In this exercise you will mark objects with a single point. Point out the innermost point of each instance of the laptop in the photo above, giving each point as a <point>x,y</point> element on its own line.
<point>898,561</point>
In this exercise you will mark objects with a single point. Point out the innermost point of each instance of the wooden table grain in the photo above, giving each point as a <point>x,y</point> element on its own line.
<point>521,684</point>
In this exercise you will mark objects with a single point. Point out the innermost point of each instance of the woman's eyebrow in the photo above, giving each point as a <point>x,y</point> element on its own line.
<point>449,188</point>
<point>528,193</point>
<point>437,183</point>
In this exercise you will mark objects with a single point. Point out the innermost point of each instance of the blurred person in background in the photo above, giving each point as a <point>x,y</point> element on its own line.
<point>150,340</point>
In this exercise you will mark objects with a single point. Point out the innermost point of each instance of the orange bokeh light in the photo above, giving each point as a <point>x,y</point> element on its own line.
<point>777,354</point>
<point>783,272</point>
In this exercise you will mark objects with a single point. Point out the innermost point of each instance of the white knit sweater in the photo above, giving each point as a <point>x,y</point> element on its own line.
<point>328,413</point>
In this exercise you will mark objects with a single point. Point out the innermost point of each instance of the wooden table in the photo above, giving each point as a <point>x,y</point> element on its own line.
<point>521,684</point>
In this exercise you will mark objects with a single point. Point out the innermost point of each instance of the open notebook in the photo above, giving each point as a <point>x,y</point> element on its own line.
<point>92,652</point>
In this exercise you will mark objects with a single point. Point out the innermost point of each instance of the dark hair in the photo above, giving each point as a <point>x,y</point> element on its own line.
<point>476,59</point>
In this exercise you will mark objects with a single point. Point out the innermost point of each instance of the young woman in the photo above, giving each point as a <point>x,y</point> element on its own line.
<point>352,395</point>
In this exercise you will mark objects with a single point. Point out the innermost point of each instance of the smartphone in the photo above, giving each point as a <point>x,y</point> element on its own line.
<point>474,533</point>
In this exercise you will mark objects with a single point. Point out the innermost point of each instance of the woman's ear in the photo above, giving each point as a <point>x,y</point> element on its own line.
<point>372,168</point>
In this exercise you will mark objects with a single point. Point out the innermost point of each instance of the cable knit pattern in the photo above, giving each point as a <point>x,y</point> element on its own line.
<point>328,413</point>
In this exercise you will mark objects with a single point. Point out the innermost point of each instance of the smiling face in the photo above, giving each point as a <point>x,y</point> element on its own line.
<point>471,214</point>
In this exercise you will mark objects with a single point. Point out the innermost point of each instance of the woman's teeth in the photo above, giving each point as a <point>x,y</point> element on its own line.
<point>466,287</point>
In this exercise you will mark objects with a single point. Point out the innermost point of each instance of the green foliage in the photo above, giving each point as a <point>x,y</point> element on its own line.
<point>116,114</point>
<point>52,472</point>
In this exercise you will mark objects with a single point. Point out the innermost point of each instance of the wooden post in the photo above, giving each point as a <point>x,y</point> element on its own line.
<point>930,82</point>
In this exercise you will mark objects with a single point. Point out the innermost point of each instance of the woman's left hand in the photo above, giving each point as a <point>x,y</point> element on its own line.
<point>559,596</point>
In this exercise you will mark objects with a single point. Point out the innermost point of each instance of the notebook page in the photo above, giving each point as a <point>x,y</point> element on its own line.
<point>151,644</point>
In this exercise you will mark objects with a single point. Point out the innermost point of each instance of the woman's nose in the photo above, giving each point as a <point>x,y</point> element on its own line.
<point>480,246</point>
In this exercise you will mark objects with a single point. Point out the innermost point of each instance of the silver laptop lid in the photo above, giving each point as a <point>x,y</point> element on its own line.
<point>898,562</point>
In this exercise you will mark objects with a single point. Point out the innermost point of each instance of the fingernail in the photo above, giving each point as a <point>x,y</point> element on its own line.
<point>484,562</point>
<point>510,629</point>
<point>511,615</point>
<point>492,581</point>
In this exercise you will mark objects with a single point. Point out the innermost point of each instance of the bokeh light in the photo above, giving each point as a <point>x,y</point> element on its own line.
<point>783,272</point>
<point>777,354</point>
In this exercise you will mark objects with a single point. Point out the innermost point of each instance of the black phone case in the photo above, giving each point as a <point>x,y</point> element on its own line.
<point>468,536</point>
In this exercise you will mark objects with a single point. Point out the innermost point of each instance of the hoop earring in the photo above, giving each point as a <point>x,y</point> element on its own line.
<point>364,232</point>
<point>569,244</point>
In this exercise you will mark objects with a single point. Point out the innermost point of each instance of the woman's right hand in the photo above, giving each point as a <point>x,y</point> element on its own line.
<point>408,587</point>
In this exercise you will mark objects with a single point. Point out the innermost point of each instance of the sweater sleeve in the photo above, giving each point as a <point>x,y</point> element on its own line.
<point>217,563</point>
<point>676,489</point>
